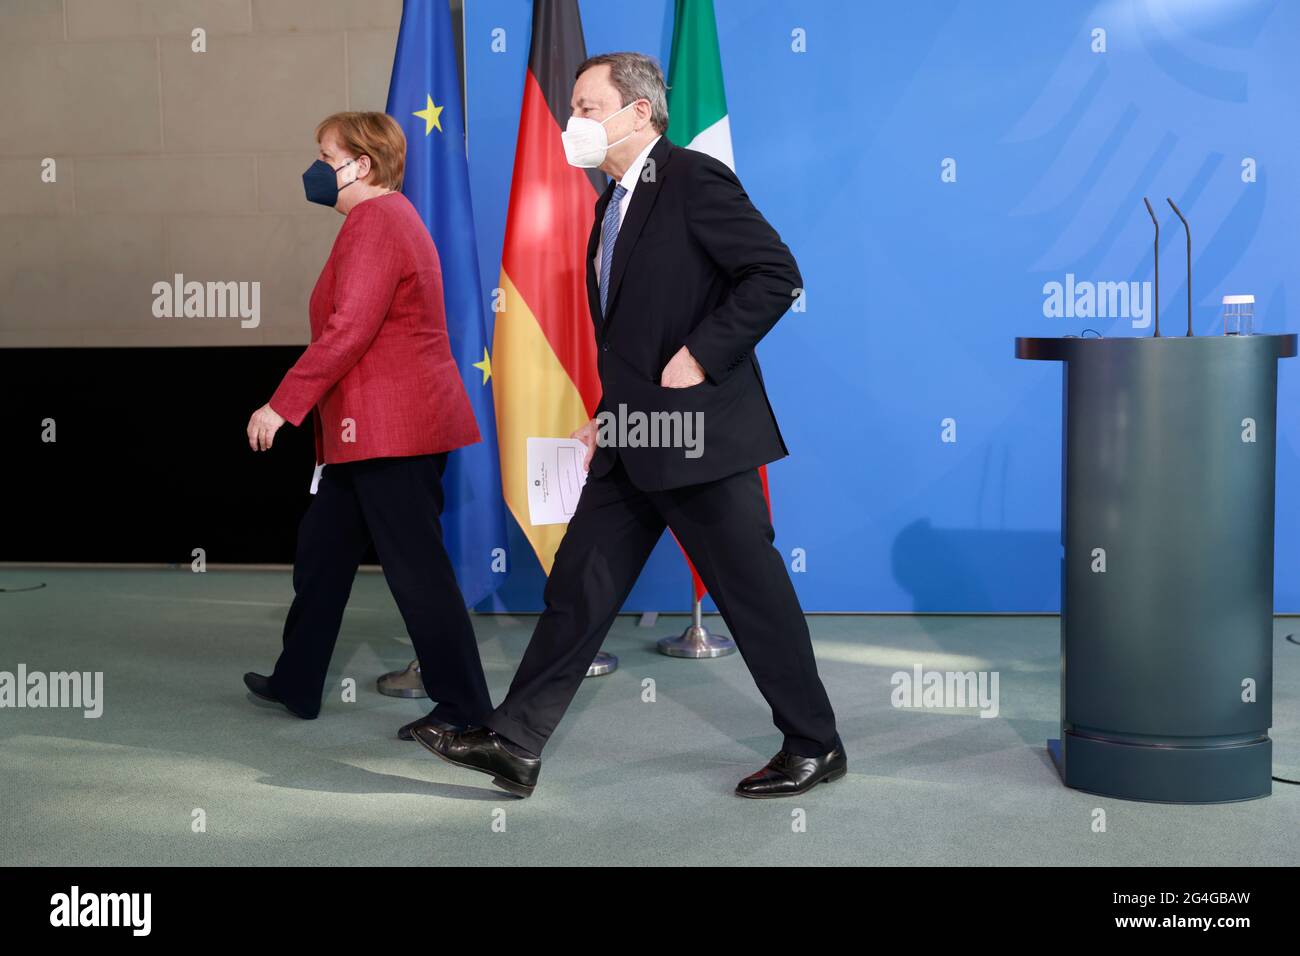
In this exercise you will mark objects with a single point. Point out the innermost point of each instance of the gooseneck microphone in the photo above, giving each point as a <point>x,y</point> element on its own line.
<point>1155,222</point>
<point>1189,263</point>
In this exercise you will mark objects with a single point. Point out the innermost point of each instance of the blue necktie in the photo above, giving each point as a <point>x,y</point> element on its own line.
<point>608,236</point>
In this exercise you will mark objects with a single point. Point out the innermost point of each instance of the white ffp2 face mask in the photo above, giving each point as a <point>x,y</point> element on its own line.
<point>586,142</point>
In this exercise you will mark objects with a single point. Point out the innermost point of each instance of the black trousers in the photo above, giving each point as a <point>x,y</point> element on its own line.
<point>397,503</point>
<point>725,529</point>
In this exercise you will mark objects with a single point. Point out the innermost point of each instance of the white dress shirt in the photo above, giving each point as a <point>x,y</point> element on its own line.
<point>630,178</point>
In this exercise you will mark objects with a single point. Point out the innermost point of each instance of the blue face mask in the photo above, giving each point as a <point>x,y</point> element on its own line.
<point>321,184</point>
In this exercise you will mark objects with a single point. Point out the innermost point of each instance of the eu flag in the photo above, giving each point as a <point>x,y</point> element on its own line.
<point>424,97</point>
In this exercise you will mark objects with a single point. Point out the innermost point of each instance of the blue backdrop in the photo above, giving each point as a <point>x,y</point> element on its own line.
<point>934,166</point>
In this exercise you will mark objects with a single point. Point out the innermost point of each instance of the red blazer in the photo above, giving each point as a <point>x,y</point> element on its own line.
<point>379,370</point>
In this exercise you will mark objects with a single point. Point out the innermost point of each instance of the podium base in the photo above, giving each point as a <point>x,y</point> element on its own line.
<point>1218,773</point>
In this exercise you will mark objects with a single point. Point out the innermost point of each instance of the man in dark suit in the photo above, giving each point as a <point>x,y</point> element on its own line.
<point>684,277</point>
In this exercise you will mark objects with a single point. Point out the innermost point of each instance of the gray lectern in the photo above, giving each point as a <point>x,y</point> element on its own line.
<point>1167,570</point>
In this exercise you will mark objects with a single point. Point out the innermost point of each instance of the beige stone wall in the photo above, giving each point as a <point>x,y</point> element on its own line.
<point>171,161</point>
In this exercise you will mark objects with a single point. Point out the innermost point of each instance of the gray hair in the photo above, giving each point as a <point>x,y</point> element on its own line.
<point>636,77</point>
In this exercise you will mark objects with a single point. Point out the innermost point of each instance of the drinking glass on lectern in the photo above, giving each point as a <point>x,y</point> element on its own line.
<point>1238,315</point>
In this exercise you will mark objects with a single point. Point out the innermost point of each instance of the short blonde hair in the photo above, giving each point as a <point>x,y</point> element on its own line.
<point>376,135</point>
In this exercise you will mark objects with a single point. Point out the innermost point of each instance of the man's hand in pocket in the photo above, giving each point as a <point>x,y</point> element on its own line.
<point>682,371</point>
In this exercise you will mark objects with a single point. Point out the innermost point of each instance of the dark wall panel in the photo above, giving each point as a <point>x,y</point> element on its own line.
<point>150,459</point>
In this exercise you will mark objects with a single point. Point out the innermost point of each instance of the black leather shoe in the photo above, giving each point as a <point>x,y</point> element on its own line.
<point>479,748</point>
<point>428,720</point>
<point>788,775</point>
<point>261,687</point>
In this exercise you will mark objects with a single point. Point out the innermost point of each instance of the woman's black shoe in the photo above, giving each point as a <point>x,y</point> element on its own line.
<point>261,687</point>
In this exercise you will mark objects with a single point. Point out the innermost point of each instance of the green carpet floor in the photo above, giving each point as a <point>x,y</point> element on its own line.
<point>625,781</point>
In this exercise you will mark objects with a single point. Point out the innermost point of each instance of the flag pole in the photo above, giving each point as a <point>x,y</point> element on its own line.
<point>697,641</point>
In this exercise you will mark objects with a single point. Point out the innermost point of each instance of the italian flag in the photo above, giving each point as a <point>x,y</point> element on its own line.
<point>697,112</point>
<point>697,100</point>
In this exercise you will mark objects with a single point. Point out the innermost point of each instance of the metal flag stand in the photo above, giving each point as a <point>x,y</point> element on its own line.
<point>696,641</point>
<point>407,682</point>
<point>403,683</point>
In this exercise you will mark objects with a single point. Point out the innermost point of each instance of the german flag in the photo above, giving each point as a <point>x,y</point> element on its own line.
<point>544,345</point>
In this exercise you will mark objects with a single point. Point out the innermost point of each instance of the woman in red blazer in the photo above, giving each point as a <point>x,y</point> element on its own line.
<point>387,405</point>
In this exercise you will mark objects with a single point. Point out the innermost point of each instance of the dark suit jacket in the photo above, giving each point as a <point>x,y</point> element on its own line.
<point>695,264</point>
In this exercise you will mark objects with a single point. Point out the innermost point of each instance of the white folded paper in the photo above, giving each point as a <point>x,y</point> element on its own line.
<point>555,479</point>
